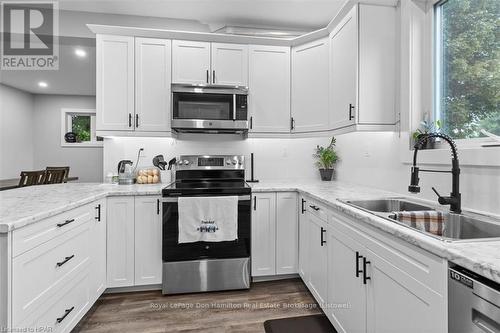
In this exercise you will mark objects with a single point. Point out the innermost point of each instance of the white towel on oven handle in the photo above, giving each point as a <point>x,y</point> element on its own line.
<point>208,219</point>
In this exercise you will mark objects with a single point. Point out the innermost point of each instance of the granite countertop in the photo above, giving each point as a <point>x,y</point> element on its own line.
<point>23,206</point>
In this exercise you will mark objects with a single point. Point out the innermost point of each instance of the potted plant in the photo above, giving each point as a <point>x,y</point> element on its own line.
<point>326,157</point>
<point>426,127</point>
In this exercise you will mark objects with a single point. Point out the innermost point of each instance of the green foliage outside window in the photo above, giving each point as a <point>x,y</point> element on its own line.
<point>81,127</point>
<point>470,67</point>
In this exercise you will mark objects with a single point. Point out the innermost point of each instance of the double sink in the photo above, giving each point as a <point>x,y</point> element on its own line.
<point>465,226</point>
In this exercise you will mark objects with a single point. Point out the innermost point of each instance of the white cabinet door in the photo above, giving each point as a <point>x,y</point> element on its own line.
<point>115,82</point>
<point>303,239</point>
<point>310,86</point>
<point>286,233</point>
<point>344,71</point>
<point>152,84</point>
<point>345,283</point>
<point>411,306</point>
<point>230,64</point>
<point>190,62</point>
<point>148,235</point>
<point>269,89</point>
<point>318,259</point>
<point>264,234</point>
<point>120,242</point>
<point>98,251</point>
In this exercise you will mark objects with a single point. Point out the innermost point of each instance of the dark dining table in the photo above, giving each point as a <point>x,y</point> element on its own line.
<point>8,184</point>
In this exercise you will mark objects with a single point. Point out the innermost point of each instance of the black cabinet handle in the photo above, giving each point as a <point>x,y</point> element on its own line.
<point>158,206</point>
<point>213,76</point>
<point>254,203</point>
<point>65,222</point>
<point>323,230</point>
<point>251,122</point>
<point>98,218</point>
<point>365,277</point>
<point>208,78</point>
<point>66,313</point>
<point>316,208</point>
<point>292,123</point>
<point>59,264</point>
<point>303,209</point>
<point>357,264</point>
<point>351,108</point>
<point>136,120</point>
<point>130,120</point>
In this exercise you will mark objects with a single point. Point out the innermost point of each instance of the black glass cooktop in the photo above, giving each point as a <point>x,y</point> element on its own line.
<point>204,187</point>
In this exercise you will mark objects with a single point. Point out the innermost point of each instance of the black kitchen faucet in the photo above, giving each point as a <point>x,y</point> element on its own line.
<point>454,200</point>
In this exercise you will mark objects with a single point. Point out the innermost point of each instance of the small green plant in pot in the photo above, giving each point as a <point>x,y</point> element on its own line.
<point>426,127</point>
<point>326,157</point>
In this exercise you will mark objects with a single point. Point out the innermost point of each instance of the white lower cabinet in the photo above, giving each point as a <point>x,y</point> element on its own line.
<point>317,277</point>
<point>148,235</point>
<point>303,239</point>
<point>120,242</point>
<point>134,241</point>
<point>98,251</point>
<point>380,285</point>
<point>274,234</point>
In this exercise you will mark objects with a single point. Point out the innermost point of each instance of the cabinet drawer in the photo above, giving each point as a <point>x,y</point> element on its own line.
<point>317,209</point>
<point>63,311</point>
<point>39,273</point>
<point>35,234</point>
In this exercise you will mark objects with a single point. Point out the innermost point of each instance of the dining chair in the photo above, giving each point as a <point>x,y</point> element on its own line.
<point>66,173</point>
<point>29,178</point>
<point>54,176</point>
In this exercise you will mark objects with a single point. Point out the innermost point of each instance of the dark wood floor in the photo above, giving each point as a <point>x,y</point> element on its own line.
<point>229,311</point>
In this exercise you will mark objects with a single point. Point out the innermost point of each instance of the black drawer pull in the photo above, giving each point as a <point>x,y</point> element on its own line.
<point>158,206</point>
<point>59,264</point>
<point>365,278</point>
<point>254,203</point>
<point>314,207</point>
<point>98,217</point>
<point>66,313</point>
<point>65,222</point>
<point>303,209</point>
<point>322,238</point>
<point>357,264</point>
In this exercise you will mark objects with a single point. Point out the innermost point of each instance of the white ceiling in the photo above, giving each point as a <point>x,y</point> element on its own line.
<point>76,75</point>
<point>300,14</point>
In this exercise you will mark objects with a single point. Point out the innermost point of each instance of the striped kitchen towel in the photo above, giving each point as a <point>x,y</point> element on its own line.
<point>428,220</point>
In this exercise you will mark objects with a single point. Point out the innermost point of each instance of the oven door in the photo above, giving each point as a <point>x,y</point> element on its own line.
<point>173,251</point>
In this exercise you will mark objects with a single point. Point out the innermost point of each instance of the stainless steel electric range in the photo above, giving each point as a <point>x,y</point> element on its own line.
<point>206,266</point>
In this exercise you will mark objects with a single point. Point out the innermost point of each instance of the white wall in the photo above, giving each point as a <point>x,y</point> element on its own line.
<point>16,132</point>
<point>84,163</point>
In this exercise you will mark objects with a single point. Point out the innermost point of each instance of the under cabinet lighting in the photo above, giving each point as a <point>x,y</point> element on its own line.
<point>80,53</point>
<point>43,84</point>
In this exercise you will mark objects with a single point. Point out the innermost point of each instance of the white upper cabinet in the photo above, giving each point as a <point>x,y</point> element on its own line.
<point>152,84</point>
<point>310,86</point>
<point>344,71</point>
<point>114,82</point>
<point>269,89</point>
<point>148,234</point>
<point>363,68</point>
<point>190,62</point>
<point>230,64</point>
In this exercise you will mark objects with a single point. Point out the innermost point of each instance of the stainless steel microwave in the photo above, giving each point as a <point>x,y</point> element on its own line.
<point>209,108</point>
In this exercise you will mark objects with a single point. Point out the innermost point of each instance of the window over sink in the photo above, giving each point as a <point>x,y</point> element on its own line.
<point>467,67</point>
<point>78,128</point>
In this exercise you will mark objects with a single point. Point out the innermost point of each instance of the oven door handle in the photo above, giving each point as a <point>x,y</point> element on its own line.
<point>234,107</point>
<point>175,199</point>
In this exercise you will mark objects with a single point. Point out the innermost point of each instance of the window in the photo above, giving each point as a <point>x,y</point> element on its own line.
<point>80,123</point>
<point>467,67</point>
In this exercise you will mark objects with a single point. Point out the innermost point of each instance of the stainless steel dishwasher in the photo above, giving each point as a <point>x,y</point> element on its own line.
<point>473,302</point>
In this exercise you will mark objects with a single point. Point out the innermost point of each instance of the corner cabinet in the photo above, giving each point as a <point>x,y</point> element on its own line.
<point>310,87</point>
<point>209,63</point>
<point>274,234</point>
<point>269,93</point>
<point>363,69</point>
<point>133,85</point>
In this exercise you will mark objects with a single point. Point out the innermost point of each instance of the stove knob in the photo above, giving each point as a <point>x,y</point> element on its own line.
<point>234,162</point>
<point>186,162</point>
<point>228,162</point>
<point>180,162</point>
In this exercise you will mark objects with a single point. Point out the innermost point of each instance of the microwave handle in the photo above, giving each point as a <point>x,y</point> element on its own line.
<point>234,107</point>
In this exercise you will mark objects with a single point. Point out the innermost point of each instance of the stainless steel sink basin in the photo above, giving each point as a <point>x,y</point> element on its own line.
<point>387,205</point>
<point>465,226</point>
